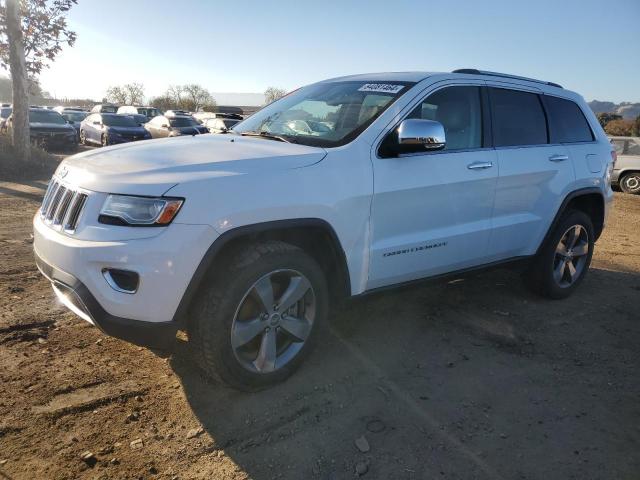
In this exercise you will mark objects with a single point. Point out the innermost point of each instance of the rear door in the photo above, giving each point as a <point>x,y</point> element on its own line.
<point>534,174</point>
<point>431,211</point>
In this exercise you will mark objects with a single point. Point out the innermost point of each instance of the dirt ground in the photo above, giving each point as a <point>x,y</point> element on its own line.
<point>470,379</point>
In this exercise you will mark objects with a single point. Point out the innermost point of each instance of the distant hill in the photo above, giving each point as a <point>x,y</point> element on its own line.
<point>627,110</point>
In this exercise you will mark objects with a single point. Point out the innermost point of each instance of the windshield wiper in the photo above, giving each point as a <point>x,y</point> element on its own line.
<point>268,135</point>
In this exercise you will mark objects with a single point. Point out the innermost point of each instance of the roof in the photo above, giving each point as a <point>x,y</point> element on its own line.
<point>419,76</point>
<point>385,77</point>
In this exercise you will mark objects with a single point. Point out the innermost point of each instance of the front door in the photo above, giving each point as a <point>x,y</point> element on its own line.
<point>432,211</point>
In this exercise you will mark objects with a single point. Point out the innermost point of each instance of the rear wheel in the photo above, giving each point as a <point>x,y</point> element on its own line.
<point>630,183</point>
<point>564,260</point>
<point>104,140</point>
<point>255,323</point>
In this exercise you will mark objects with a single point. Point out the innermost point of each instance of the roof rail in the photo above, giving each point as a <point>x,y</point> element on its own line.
<point>475,71</point>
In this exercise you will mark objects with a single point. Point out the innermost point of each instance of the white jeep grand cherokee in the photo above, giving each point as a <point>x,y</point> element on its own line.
<point>338,189</point>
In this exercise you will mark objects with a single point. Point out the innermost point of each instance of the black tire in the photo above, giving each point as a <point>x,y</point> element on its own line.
<point>630,183</point>
<point>540,276</point>
<point>104,140</point>
<point>220,299</point>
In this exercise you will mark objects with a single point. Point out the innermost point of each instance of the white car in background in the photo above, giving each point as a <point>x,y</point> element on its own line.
<point>626,172</point>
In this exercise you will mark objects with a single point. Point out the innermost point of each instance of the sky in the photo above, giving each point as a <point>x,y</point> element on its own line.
<point>229,46</point>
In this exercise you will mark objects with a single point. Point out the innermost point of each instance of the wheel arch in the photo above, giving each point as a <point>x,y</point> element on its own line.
<point>315,236</point>
<point>589,200</point>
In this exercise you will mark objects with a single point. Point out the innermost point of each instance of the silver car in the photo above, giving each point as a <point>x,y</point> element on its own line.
<point>626,172</point>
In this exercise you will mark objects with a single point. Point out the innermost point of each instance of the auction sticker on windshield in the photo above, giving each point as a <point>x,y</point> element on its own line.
<point>380,87</point>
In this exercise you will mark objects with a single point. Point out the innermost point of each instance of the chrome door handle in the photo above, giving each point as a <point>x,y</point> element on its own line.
<point>479,165</point>
<point>558,158</point>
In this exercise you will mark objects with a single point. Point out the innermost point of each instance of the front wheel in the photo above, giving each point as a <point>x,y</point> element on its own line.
<point>564,259</point>
<point>104,140</point>
<point>630,183</point>
<point>83,137</point>
<point>259,317</point>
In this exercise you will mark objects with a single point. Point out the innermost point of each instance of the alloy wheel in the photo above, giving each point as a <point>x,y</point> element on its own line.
<point>570,256</point>
<point>273,321</point>
<point>631,183</point>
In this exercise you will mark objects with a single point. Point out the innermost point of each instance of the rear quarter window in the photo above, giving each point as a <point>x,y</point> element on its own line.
<point>518,118</point>
<point>567,123</point>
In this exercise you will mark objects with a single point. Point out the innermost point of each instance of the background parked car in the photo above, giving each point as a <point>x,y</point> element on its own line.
<point>104,108</point>
<point>148,112</point>
<point>139,118</point>
<point>74,118</point>
<point>110,128</point>
<point>165,126</point>
<point>48,129</point>
<point>626,171</point>
<point>219,125</point>
<point>173,113</point>
<point>4,114</point>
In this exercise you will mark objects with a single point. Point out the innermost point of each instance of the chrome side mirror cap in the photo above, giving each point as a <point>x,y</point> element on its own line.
<point>422,134</point>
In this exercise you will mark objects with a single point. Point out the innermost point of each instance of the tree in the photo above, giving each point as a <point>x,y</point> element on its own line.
<point>17,62</point>
<point>163,102</point>
<point>196,97</point>
<point>619,128</point>
<point>128,94</point>
<point>636,127</point>
<point>606,117</point>
<point>32,33</point>
<point>272,94</point>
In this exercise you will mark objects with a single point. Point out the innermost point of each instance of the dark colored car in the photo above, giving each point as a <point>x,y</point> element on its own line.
<point>48,129</point>
<point>75,118</point>
<point>139,118</point>
<point>163,126</point>
<point>110,128</point>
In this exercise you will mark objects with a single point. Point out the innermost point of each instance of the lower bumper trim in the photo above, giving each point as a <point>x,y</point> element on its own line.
<point>77,298</point>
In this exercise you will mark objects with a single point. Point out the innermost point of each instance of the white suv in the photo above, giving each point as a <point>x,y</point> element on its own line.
<point>338,189</point>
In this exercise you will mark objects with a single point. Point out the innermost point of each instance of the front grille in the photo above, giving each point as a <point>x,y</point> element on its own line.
<point>62,206</point>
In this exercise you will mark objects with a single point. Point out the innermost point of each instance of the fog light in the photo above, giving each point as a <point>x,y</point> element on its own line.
<point>123,281</point>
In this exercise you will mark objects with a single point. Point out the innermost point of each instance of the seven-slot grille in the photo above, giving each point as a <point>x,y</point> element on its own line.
<point>62,206</point>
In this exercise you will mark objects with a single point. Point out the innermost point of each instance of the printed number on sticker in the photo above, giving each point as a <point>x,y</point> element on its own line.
<point>380,87</point>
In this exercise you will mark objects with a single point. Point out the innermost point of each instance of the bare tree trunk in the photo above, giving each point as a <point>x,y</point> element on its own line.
<point>20,122</point>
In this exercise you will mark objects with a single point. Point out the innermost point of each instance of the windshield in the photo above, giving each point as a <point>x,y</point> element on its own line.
<point>119,121</point>
<point>183,122</point>
<point>74,116</point>
<point>325,114</point>
<point>149,112</point>
<point>108,109</point>
<point>45,116</point>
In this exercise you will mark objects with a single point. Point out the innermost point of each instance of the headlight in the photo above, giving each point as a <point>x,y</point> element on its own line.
<point>139,211</point>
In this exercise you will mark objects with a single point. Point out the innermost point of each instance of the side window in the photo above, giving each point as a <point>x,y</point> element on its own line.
<point>566,121</point>
<point>518,118</point>
<point>459,110</point>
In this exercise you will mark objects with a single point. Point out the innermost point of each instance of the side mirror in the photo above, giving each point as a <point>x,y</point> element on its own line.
<point>97,122</point>
<point>165,125</point>
<point>415,135</point>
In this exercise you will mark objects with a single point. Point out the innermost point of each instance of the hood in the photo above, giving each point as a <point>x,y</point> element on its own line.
<point>153,166</point>
<point>49,127</point>
<point>126,129</point>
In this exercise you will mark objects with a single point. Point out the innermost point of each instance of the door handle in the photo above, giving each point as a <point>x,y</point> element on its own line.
<point>558,158</point>
<point>479,165</point>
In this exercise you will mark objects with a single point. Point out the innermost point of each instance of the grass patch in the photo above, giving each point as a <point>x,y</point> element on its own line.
<point>42,163</point>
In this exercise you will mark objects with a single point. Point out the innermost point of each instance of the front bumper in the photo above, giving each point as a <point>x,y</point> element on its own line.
<point>77,297</point>
<point>165,263</point>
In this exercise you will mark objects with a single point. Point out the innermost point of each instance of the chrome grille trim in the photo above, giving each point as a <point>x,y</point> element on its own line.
<point>75,210</point>
<point>55,200</point>
<point>65,201</point>
<point>62,206</point>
